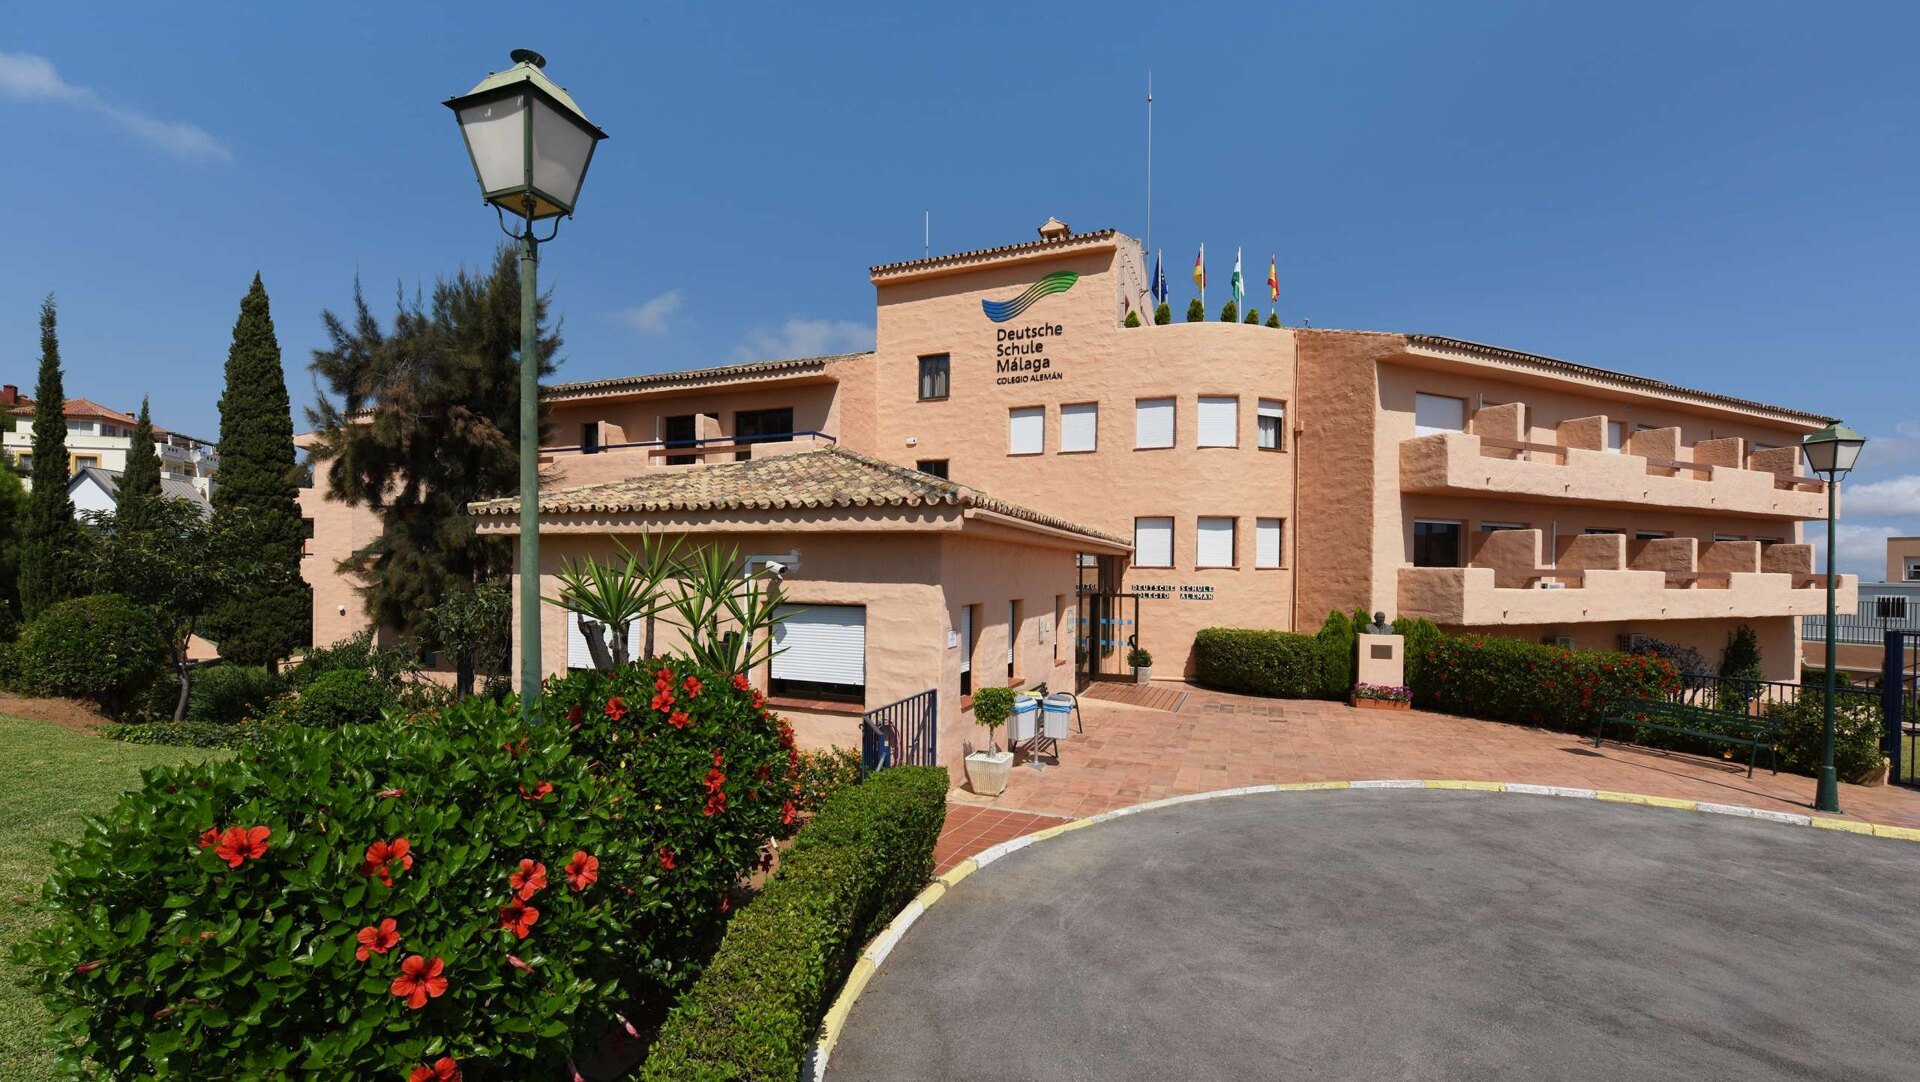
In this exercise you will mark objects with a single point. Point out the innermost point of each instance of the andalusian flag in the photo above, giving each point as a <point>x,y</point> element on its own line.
<point>1273,277</point>
<point>1200,269</point>
<point>1239,284</point>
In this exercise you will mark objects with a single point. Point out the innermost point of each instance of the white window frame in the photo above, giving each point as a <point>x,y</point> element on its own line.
<point>1269,542</point>
<point>1217,421</point>
<point>1079,427</point>
<point>1276,410</point>
<point>1142,552</point>
<point>1207,551</point>
<point>828,660</point>
<point>1147,424</point>
<point>1027,430</point>
<point>1616,437</point>
<point>1433,423</point>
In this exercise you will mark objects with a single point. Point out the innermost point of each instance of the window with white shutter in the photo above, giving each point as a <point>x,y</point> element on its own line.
<point>1027,430</point>
<point>579,657</point>
<point>1266,542</point>
<point>1214,545</point>
<point>1079,426</point>
<point>1273,425</point>
<point>1434,413</point>
<point>1153,422</point>
<point>822,652</point>
<point>1219,421</point>
<point>1153,542</point>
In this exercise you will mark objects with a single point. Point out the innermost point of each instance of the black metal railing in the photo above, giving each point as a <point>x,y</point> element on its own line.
<point>901,733</point>
<point>687,445</point>
<point>1733,695</point>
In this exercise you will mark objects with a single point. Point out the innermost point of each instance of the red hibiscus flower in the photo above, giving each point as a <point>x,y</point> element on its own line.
<point>716,804</point>
<point>383,855</point>
<point>241,844</point>
<point>616,708</point>
<point>719,757</point>
<point>759,698</point>
<point>740,682</point>
<point>419,980</point>
<point>662,700</point>
<point>574,712</point>
<point>377,939</point>
<point>663,678</point>
<point>539,792</point>
<point>726,904</point>
<point>692,687</point>
<point>582,870</point>
<point>715,780</point>
<point>209,837</point>
<point>518,917</point>
<point>788,813</point>
<point>764,772</point>
<point>529,879</point>
<point>678,719</point>
<point>666,858</point>
<point>444,1069</point>
<point>516,962</point>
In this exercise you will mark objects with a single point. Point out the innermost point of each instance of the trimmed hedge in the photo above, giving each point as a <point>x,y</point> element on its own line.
<point>1859,723</point>
<point>1501,679</point>
<point>753,1011</point>
<point>1279,664</point>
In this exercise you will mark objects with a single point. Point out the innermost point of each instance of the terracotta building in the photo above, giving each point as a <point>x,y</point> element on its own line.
<point>1155,480</point>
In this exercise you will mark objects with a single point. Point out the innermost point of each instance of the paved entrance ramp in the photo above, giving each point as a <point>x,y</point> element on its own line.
<point>1408,934</point>
<point>1151,696</point>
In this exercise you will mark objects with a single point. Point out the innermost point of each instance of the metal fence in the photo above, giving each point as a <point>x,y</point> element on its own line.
<point>901,733</point>
<point>1896,705</point>
<point>1883,607</point>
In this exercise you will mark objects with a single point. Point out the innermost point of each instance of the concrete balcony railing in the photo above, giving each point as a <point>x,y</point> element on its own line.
<point>1650,472</point>
<point>1603,577</point>
<point>571,467</point>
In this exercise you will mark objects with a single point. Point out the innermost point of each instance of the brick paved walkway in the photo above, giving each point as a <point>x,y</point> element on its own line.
<point>970,829</point>
<point>1129,755</point>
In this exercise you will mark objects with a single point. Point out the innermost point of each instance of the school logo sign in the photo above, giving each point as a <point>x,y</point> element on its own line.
<point>1057,282</point>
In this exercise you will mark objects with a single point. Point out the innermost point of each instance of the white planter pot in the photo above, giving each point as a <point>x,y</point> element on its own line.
<point>987,772</point>
<point>1143,674</point>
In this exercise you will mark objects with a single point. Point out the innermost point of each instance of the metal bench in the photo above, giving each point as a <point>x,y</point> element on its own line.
<point>1739,730</point>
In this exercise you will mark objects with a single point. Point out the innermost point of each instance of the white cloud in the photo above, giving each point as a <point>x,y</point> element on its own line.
<point>651,317</point>
<point>1861,549</point>
<point>1895,497</point>
<point>26,77</point>
<point>806,338</point>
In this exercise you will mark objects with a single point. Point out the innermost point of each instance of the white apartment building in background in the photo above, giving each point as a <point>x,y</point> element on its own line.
<point>99,438</point>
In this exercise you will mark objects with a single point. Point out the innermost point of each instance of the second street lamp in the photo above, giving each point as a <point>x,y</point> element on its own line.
<point>530,146</point>
<point>1831,453</point>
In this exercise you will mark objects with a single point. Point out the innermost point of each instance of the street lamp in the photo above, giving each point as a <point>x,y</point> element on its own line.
<point>1831,452</point>
<point>530,146</point>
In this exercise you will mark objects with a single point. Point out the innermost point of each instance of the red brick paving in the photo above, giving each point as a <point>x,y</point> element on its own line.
<point>1129,755</point>
<point>1160,696</point>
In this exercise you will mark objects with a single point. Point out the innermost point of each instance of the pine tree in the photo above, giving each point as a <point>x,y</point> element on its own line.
<point>256,500</point>
<point>1196,312</point>
<point>1230,312</point>
<point>435,404</point>
<point>1273,318</point>
<point>1163,314</point>
<point>48,573</point>
<point>140,483</point>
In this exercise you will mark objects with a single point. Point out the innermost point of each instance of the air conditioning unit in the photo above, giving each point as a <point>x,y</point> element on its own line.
<point>1552,584</point>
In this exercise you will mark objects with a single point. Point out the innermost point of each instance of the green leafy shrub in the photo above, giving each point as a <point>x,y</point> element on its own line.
<point>191,734</point>
<point>1133,318</point>
<point>1859,724</point>
<point>1230,312</point>
<point>343,697</point>
<point>1139,658</point>
<point>1740,671</point>
<point>390,666</point>
<point>1417,638</point>
<point>1253,316</point>
<point>1279,664</point>
<point>991,708</point>
<point>1273,318</point>
<point>229,694</point>
<point>752,1014</point>
<point>824,773</point>
<point>717,777</point>
<point>350,904</point>
<point>1502,679</point>
<point>1162,314</point>
<point>1196,312</point>
<point>1339,642</point>
<point>101,647</point>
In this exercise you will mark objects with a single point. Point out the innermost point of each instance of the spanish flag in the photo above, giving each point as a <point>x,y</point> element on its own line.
<point>1273,277</point>
<point>1200,268</point>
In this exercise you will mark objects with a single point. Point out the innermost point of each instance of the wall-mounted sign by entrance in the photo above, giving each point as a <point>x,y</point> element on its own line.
<point>1168,592</point>
<point>1057,282</point>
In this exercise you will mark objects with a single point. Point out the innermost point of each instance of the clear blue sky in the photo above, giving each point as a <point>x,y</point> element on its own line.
<point>1721,195</point>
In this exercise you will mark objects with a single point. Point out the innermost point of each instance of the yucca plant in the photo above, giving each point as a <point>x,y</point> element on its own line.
<point>728,617</point>
<point>607,597</point>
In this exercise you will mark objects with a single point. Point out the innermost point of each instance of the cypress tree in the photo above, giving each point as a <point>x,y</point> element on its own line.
<point>13,520</point>
<point>1196,312</point>
<point>1253,315</point>
<point>1163,314</point>
<point>51,536</point>
<point>1133,318</point>
<point>140,483</point>
<point>1230,312</point>
<point>256,499</point>
<point>1273,318</point>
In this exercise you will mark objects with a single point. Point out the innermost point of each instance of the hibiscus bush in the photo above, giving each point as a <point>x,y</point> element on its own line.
<point>710,776</point>
<point>1503,679</point>
<point>455,897</point>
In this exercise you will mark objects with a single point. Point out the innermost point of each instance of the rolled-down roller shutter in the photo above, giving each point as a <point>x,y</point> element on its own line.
<point>821,644</point>
<point>579,658</point>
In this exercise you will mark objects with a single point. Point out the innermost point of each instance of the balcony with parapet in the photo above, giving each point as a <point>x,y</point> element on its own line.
<point>571,467</point>
<point>1606,577</point>
<point>1713,476</point>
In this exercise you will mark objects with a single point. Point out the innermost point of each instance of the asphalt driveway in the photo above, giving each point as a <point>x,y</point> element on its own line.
<point>1409,934</point>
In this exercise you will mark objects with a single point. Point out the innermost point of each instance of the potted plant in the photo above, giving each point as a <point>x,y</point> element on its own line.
<point>1142,663</point>
<point>1381,697</point>
<point>987,770</point>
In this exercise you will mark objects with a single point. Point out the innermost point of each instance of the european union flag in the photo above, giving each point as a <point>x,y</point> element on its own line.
<point>1159,288</point>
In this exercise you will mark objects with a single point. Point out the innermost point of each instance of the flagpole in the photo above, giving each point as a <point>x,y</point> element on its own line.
<point>1149,244</point>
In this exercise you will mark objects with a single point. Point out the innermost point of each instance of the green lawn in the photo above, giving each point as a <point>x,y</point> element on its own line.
<point>57,775</point>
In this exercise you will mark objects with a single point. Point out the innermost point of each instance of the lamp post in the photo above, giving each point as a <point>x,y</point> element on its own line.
<point>1831,453</point>
<point>530,146</point>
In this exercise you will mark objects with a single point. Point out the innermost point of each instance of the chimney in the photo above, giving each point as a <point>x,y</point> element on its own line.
<point>1054,229</point>
<point>9,395</point>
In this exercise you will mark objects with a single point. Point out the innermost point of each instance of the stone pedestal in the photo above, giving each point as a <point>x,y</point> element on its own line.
<point>1382,660</point>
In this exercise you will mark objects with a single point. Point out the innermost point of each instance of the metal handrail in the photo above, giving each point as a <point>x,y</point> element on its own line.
<point>680,445</point>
